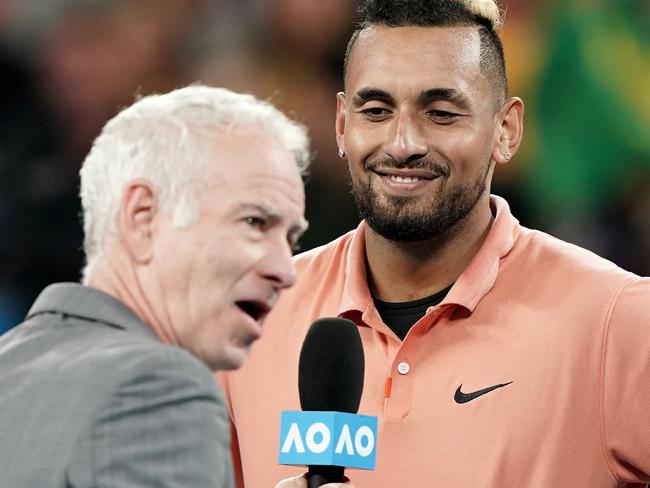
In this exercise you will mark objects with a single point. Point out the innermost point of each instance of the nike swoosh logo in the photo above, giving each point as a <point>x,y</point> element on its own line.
<point>460,397</point>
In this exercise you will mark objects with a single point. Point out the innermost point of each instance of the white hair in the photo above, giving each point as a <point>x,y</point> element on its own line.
<point>162,138</point>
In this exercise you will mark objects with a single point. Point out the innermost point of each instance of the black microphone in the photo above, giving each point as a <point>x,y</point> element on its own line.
<point>330,378</point>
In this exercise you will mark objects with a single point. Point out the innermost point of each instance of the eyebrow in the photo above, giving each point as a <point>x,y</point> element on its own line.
<point>295,231</point>
<point>424,98</point>
<point>445,94</point>
<point>366,94</point>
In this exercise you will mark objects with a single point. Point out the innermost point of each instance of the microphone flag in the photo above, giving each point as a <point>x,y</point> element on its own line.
<point>328,439</point>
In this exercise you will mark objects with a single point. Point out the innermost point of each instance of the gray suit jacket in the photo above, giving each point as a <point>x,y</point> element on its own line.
<point>89,397</point>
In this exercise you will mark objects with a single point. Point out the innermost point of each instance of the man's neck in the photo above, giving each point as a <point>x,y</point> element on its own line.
<point>404,271</point>
<point>114,274</point>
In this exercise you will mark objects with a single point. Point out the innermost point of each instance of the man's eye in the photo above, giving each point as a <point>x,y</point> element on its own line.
<point>441,115</point>
<point>255,221</point>
<point>375,112</point>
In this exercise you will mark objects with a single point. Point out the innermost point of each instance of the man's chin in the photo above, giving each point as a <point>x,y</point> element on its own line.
<point>234,357</point>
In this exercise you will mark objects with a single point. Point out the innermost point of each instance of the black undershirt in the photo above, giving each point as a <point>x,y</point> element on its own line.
<point>401,316</point>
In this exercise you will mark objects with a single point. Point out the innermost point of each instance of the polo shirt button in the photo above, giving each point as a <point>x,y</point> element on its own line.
<point>403,367</point>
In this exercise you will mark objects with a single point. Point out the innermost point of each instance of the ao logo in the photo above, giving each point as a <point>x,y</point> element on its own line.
<point>328,438</point>
<point>318,438</point>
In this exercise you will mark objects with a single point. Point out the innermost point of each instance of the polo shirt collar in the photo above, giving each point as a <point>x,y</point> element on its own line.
<point>470,287</point>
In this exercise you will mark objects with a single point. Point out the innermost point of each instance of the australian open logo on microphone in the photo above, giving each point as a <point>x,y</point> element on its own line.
<point>328,438</point>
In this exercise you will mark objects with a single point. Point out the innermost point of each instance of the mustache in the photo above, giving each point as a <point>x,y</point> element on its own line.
<point>420,163</point>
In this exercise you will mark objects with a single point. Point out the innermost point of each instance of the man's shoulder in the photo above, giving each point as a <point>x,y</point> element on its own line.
<point>552,256</point>
<point>333,252</point>
<point>86,375</point>
<point>78,351</point>
<point>166,363</point>
<point>136,361</point>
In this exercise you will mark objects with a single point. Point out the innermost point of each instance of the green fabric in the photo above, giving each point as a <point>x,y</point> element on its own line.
<point>594,109</point>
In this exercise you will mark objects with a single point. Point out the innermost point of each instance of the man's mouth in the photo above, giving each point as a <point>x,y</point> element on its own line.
<point>256,309</point>
<point>404,179</point>
<point>406,175</point>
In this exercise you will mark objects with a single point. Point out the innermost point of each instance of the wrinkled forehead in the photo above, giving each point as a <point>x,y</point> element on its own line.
<point>248,157</point>
<point>413,54</point>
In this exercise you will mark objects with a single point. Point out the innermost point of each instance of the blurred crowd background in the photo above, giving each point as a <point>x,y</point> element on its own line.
<point>67,66</point>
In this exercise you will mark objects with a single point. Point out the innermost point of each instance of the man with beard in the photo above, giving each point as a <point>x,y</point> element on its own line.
<point>495,355</point>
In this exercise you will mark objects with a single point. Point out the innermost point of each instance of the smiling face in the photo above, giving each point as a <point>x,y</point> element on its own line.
<point>419,126</point>
<point>218,278</point>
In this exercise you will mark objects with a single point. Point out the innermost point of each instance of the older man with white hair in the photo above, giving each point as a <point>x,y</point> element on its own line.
<point>192,202</point>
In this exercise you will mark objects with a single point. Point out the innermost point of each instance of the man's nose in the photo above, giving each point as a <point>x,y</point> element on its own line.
<point>407,140</point>
<point>278,266</point>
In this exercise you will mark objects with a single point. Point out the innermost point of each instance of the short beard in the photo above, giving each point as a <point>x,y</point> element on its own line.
<point>400,220</point>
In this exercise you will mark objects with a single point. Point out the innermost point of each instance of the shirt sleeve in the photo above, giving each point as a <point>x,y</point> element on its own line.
<point>626,384</point>
<point>164,425</point>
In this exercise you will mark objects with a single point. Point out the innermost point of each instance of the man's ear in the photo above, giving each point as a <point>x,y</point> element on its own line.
<point>137,211</point>
<point>341,104</point>
<point>510,131</point>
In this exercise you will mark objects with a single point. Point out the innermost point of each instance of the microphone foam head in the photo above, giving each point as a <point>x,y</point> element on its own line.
<point>331,368</point>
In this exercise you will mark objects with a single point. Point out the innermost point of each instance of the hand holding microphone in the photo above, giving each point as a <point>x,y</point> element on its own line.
<point>301,482</point>
<point>328,435</point>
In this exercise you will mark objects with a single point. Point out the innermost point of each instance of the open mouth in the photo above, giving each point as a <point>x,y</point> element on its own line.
<point>404,179</point>
<point>257,310</point>
<point>410,176</point>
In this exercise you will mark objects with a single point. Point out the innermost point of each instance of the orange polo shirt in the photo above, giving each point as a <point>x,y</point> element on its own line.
<point>565,333</point>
